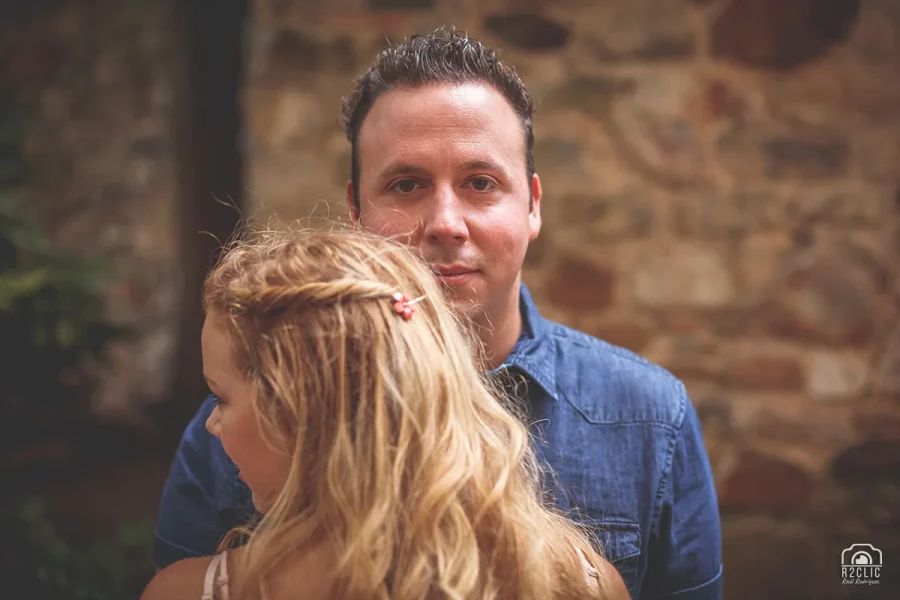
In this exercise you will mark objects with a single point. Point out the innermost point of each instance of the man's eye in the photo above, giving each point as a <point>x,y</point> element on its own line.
<point>482,184</point>
<point>405,186</point>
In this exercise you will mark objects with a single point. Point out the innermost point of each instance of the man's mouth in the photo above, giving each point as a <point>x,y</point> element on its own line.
<point>453,274</point>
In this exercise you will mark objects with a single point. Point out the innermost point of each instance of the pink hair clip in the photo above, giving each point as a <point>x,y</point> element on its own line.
<point>405,307</point>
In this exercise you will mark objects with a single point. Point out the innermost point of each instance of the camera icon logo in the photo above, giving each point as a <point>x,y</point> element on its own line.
<point>861,564</point>
<point>862,555</point>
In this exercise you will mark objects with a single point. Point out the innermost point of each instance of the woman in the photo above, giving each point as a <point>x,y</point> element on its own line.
<point>383,464</point>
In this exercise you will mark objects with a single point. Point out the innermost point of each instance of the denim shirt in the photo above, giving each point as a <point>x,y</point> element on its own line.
<point>621,440</point>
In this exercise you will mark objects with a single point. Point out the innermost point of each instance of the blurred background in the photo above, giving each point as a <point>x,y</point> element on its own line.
<point>722,196</point>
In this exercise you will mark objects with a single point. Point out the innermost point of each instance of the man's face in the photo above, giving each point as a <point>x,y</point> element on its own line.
<point>443,168</point>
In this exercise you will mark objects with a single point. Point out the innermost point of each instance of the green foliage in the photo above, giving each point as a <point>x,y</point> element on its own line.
<point>52,321</point>
<point>51,308</point>
<point>37,563</point>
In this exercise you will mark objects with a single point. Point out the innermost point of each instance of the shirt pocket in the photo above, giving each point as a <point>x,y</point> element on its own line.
<point>621,545</point>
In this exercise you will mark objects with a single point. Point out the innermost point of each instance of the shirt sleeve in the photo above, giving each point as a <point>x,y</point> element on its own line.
<point>685,560</point>
<point>200,500</point>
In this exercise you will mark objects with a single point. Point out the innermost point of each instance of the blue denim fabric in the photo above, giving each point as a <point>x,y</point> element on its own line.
<point>621,440</point>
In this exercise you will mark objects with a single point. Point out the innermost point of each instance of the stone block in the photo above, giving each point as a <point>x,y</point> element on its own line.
<point>592,95</point>
<point>713,217</point>
<point>295,53</point>
<point>805,158</point>
<point>718,100</point>
<point>641,30</point>
<point>828,296</point>
<point>772,35</point>
<point>557,154</point>
<point>878,423</point>
<point>886,376</point>
<point>527,31</point>
<point>841,206</point>
<point>682,274</point>
<point>761,261</point>
<point>877,153</point>
<point>766,484</point>
<point>392,5</point>
<point>751,155</point>
<point>795,422</point>
<point>766,372</point>
<point>655,132</point>
<point>608,218</point>
<point>869,462</point>
<point>692,358</point>
<point>578,284</point>
<point>281,121</point>
<point>628,332</point>
<point>834,376</point>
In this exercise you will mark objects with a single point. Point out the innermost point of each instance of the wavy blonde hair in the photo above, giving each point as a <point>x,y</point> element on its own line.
<point>405,461</point>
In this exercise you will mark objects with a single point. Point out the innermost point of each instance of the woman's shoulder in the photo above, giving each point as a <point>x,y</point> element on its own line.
<point>606,577</point>
<point>182,580</point>
<point>611,581</point>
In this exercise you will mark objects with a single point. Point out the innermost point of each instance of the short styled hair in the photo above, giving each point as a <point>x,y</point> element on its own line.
<point>441,57</point>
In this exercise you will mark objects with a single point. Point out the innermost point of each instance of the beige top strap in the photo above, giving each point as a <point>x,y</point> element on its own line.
<point>590,571</point>
<point>216,575</point>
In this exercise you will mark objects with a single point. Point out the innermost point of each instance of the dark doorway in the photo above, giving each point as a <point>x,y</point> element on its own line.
<point>210,163</point>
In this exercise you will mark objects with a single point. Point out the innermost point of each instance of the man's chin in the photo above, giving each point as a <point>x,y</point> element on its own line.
<point>465,301</point>
<point>466,294</point>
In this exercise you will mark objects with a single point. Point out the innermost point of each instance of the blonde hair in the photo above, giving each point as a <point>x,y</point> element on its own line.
<point>404,459</point>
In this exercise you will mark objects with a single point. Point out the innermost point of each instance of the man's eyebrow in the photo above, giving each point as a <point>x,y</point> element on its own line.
<point>483,165</point>
<point>405,168</point>
<point>402,168</point>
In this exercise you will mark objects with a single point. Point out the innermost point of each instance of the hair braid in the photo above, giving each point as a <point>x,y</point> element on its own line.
<point>276,299</point>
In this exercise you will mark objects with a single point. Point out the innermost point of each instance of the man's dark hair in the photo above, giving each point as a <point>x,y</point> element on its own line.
<point>442,57</point>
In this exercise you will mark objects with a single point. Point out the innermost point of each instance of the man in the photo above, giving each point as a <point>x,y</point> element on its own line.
<point>442,155</point>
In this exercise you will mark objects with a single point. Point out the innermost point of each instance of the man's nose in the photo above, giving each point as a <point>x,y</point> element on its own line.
<point>444,221</point>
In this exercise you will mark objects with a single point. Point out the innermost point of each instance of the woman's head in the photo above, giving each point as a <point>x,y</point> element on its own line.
<point>301,334</point>
<point>371,434</point>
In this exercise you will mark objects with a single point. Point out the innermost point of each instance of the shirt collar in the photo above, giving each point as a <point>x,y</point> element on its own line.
<point>533,354</point>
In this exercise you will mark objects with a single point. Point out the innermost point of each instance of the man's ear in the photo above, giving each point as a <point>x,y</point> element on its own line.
<point>351,203</point>
<point>534,214</point>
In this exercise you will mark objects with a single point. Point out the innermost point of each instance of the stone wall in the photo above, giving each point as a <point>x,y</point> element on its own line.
<point>721,196</point>
<point>94,83</point>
